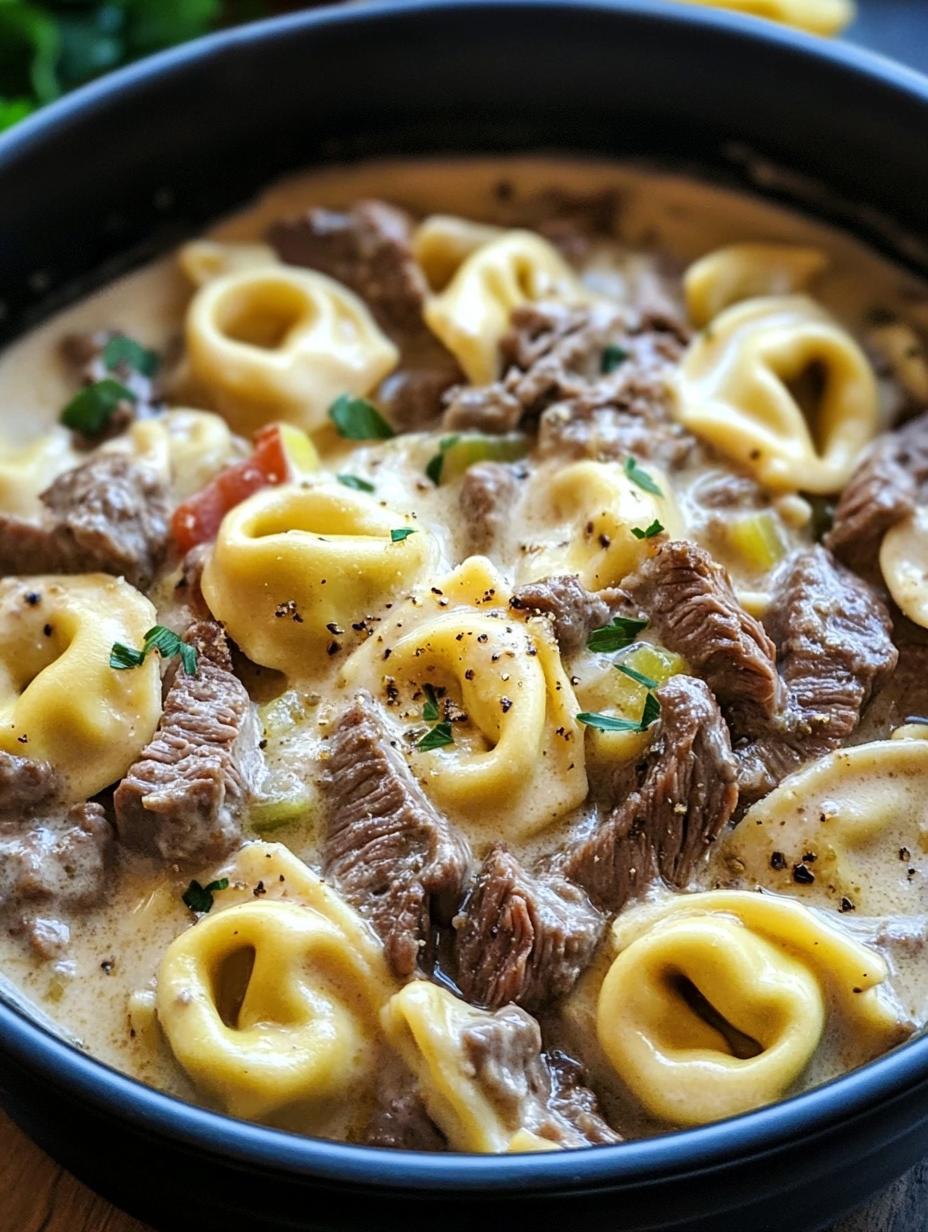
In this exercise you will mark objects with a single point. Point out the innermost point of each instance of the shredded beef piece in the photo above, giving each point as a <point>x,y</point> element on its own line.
<point>109,514</point>
<point>692,608</point>
<point>724,490</point>
<point>905,694</point>
<point>488,492</point>
<point>184,798</point>
<point>505,1051</point>
<point>84,352</point>
<point>574,610</point>
<point>834,639</point>
<point>24,783</point>
<point>522,938</point>
<point>59,859</point>
<point>412,396</point>
<point>884,489</point>
<point>399,1119</point>
<point>685,794</point>
<point>570,221</point>
<point>393,855</point>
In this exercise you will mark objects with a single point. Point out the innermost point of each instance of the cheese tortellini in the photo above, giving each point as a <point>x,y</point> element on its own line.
<point>281,343</point>
<point>60,700</point>
<point>201,260</point>
<point>515,763</point>
<point>442,242</point>
<point>272,1004</point>
<point>744,381</point>
<point>472,313</point>
<point>744,271</point>
<point>27,470</point>
<point>904,565</point>
<point>855,825</point>
<point>716,1003</point>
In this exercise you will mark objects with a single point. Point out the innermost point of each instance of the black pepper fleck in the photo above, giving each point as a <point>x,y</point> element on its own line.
<point>803,875</point>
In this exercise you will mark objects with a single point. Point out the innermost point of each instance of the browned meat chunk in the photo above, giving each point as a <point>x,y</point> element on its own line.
<point>685,794</point>
<point>108,514</point>
<point>488,492</point>
<point>834,638</point>
<point>59,860</point>
<point>692,608</point>
<point>522,938</point>
<point>883,490</point>
<point>574,610</point>
<point>84,352</point>
<point>412,396</point>
<point>183,799</point>
<point>24,783</point>
<point>399,1119</point>
<point>391,852</point>
<point>541,1094</point>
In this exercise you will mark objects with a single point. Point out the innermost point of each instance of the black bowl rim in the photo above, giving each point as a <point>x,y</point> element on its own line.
<point>35,1047</point>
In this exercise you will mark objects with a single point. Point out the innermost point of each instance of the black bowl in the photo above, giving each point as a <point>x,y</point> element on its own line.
<point>126,166</point>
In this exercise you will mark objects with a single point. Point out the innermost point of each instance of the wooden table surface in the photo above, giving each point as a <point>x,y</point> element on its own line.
<point>51,1200</point>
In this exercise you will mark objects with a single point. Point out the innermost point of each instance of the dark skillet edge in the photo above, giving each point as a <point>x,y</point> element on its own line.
<point>33,1059</point>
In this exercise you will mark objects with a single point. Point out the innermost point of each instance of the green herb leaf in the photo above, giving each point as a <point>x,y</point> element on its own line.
<point>613,357</point>
<point>124,351</point>
<point>436,464</point>
<point>12,110</point>
<point>440,735</point>
<point>651,712</point>
<point>356,419</point>
<point>637,475</point>
<point>638,677</point>
<point>355,482</point>
<point>649,531</point>
<point>615,636</point>
<point>90,410</point>
<point>122,657</point>
<point>608,722</point>
<point>199,898</point>
<point>430,711</point>
<point>397,536</point>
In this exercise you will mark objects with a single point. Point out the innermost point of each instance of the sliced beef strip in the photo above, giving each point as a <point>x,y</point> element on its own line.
<point>685,794</point>
<point>399,1119</point>
<point>110,514</point>
<point>184,798</point>
<point>834,638</point>
<point>55,859</point>
<point>485,500</point>
<point>883,490</point>
<point>84,353</point>
<point>392,854</point>
<point>689,601</point>
<point>505,1051</point>
<point>574,610</point>
<point>520,937</point>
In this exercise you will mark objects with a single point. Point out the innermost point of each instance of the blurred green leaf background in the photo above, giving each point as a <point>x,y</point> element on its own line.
<point>48,47</point>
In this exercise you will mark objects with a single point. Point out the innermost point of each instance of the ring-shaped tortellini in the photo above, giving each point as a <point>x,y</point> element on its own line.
<point>442,243</point>
<point>201,260</point>
<point>27,470</point>
<point>293,560</point>
<point>515,763</point>
<point>816,16</point>
<point>60,701</point>
<point>199,446</point>
<point>281,343</point>
<point>589,512</point>
<point>427,1027</point>
<point>743,384</point>
<point>273,1004</point>
<point>716,1003</point>
<point>855,825</point>
<point>904,565</point>
<point>743,271</point>
<point>472,313</point>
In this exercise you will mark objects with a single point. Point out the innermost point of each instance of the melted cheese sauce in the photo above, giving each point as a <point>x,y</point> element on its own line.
<point>665,222</point>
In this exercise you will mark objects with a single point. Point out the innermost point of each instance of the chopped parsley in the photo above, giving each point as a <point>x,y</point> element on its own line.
<point>121,351</point>
<point>199,898</point>
<point>637,475</point>
<point>613,357</point>
<point>430,711</point>
<point>616,636</point>
<point>651,712</point>
<point>355,482</point>
<point>436,464</point>
<point>397,536</point>
<point>638,677</point>
<point>440,735</point>
<point>612,723</point>
<point>165,641</point>
<point>649,531</point>
<point>356,419</point>
<point>91,409</point>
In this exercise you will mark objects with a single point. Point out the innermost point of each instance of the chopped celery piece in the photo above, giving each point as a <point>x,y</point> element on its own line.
<point>280,716</point>
<point>272,812</point>
<point>757,540</point>
<point>464,451</point>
